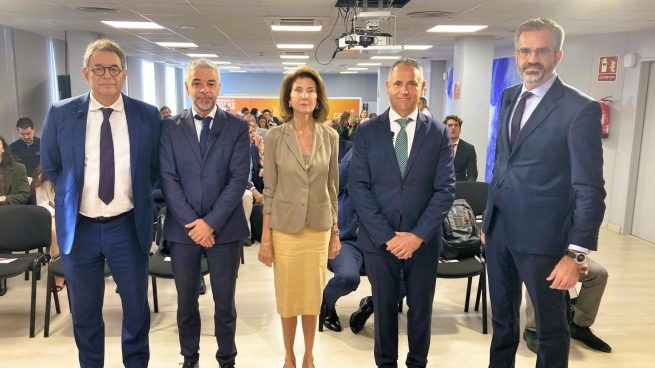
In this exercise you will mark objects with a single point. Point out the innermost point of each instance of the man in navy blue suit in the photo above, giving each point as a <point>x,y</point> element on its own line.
<point>402,185</point>
<point>100,150</point>
<point>204,160</point>
<point>545,200</point>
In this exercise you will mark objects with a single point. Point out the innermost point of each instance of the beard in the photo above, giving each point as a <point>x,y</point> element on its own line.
<point>204,106</point>
<point>538,73</point>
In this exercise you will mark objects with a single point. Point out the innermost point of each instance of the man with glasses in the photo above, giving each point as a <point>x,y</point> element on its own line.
<point>546,199</point>
<point>100,149</point>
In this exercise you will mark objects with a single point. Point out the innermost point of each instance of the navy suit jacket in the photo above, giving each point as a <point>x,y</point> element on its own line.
<point>386,201</point>
<point>209,187</point>
<point>466,165</point>
<point>549,186</point>
<point>62,161</point>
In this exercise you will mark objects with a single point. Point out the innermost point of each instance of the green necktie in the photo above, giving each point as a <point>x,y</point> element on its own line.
<point>401,145</point>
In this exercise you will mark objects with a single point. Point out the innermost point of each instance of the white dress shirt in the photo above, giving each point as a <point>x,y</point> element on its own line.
<point>410,129</point>
<point>198,123</point>
<point>91,205</point>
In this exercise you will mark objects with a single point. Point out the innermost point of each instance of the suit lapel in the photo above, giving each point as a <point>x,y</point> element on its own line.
<point>80,115</point>
<point>419,137</point>
<point>318,143</point>
<point>292,143</point>
<point>188,127</point>
<point>504,120</point>
<point>134,131</point>
<point>385,140</point>
<point>545,107</point>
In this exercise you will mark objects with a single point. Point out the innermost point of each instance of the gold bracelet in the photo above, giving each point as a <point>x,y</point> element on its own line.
<point>266,243</point>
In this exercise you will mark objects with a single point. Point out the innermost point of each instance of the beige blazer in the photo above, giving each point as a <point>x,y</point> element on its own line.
<point>296,194</point>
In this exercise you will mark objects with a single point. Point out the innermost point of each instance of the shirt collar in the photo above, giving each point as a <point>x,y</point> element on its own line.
<point>94,105</point>
<point>211,113</point>
<point>393,116</point>
<point>540,91</point>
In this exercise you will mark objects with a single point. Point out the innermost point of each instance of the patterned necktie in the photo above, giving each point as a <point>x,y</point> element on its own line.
<point>454,149</point>
<point>401,145</point>
<point>518,116</point>
<point>107,169</point>
<point>204,132</point>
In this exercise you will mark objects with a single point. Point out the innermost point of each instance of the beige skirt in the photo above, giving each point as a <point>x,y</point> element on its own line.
<point>299,267</point>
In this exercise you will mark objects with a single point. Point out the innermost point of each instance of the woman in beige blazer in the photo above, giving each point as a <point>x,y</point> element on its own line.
<point>300,206</point>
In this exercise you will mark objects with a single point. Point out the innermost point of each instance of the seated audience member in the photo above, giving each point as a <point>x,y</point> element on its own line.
<point>363,114</point>
<point>353,123</point>
<point>372,115</point>
<point>252,194</point>
<point>14,188</point>
<point>27,149</point>
<point>344,144</point>
<point>585,309</point>
<point>466,165</point>
<point>271,117</point>
<point>245,112</point>
<point>45,197</point>
<point>254,112</point>
<point>165,112</point>
<point>423,107</point>
<point>262,125</point>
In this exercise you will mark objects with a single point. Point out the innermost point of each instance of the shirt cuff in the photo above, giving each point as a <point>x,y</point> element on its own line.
<point>578,249</point>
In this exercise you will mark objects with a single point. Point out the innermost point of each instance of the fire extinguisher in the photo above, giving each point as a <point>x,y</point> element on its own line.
<point>605,119</point>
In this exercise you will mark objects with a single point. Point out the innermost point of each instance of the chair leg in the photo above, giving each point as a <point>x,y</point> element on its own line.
<point>49,289</point>
<point>483,280</point>
<point>478,294</point>
<point>155,302</point>
<point>468,294</point>
<point>33,299</point>
<point>55,295</point>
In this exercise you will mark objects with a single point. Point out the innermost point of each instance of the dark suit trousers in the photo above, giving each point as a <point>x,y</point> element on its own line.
<point>116,241</point>
<point>507,268</point>
<point>346,268</point>
<point>384,273</point>
<point>223,262</point>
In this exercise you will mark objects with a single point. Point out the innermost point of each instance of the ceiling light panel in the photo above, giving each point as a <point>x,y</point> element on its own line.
<point>177,44</point>
<point>132,25</point>
<point>456,28</point>
<point>307,46</point>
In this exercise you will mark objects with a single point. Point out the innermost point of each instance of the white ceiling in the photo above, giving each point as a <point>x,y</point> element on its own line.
<point>239,30</point>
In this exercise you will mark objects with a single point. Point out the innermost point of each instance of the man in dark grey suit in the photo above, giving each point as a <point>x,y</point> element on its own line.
<point>465,162</point>
<point>545,200</point>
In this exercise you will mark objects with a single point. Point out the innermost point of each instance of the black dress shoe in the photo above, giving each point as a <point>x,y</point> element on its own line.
<point>587,336</point>
<point>358,319</point>
<point>531,340</point>
<point>246,242</point>
<point>329,319</point>
<point>228,366</point>
<point>3,287</point>
<point>190,365</point>
<point>203,286</point>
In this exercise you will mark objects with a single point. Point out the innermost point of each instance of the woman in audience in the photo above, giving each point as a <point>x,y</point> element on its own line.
<point>300,206</point>
<point>14,188</point>
<point>364,114</point>
<point>262,126</point>
<point>45,197</point>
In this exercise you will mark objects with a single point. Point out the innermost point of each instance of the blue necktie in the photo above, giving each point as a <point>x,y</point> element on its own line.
<point>204,132</point>
<point>107,169</point>
<point>401,145</point>
<point>515,126</point>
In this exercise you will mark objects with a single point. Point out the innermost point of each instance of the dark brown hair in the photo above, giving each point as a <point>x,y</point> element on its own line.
<point>320,112</point>
<point>7,157</point>
<point>453,117</point>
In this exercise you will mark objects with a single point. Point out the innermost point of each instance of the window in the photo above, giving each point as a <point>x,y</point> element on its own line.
<point>171,89</point>
<point>148,82</point>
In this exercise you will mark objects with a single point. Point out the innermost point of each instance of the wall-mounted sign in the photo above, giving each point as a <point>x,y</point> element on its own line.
<point>607,68</point>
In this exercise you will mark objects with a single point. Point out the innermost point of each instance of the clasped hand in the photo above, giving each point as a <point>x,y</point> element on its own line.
<point>201,233</point>
<point>404,244</point>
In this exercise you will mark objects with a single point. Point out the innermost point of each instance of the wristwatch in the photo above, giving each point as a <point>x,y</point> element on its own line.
<point>335,232</point>
<point>579,258</point>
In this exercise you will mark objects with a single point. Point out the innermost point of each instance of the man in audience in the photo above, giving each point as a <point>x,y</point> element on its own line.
<point>165,112</point>
<point>252,194</point>
<point>465,162</point>
<point>546,199</point>
<point>585,310</point>
<point>27,149</point>
<point>204,170</point>
<point>402,185</point>
<point>103,208</point>
<point>423,107</point>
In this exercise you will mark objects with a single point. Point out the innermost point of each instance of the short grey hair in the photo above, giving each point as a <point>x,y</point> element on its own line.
<point>201,64</point>
<point>409,62</point>
<point>538,24</point>
<point>103,44</point>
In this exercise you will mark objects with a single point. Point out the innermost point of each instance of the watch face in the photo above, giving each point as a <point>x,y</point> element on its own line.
<point>580,258</point>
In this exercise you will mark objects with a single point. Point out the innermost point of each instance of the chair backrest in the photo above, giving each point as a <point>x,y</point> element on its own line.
<point>475,193</point>
<point>24,227</point>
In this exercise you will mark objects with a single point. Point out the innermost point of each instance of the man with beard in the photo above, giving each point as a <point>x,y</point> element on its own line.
<point>204,169</point>
<point>546,198</point>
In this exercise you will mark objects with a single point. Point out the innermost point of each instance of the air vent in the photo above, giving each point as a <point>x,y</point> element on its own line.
<point>96,9</point>
<point>430,14</point>
<point>371,3</point>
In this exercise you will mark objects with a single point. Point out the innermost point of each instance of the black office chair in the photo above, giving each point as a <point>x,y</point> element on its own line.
<point>56,269</point>
<point>475,193</point>
<point>25,228</point>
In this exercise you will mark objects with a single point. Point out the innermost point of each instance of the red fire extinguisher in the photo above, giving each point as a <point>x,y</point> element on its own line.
<point>605,119</point>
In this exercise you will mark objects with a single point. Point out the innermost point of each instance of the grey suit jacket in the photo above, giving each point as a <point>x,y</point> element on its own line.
<point>296,194</point>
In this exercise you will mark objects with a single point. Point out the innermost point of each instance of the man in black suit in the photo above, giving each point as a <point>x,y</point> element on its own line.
<point>466,162</point>
<point>546,199</point>
<point>27,149</point>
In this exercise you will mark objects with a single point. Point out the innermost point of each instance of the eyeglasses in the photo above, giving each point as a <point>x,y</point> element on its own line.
<point>114,71</point>
<point>308,92</point>
<point>525,53</point>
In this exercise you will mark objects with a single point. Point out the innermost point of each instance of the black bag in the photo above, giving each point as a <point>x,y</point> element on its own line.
<point>461,237</point>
